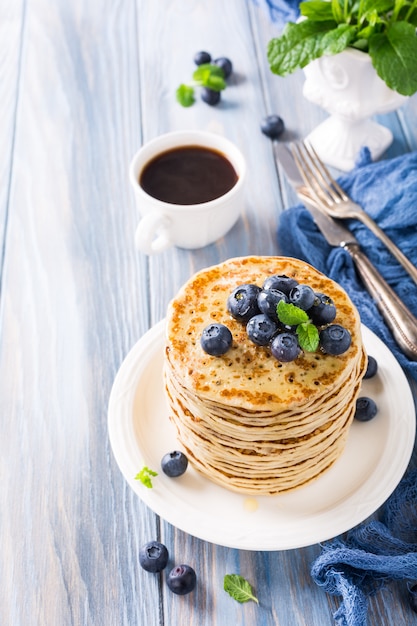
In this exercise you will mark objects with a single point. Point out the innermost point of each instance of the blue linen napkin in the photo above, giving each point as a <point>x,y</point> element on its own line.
<point>282,11</point>
<point>374,553</point>
<point>387,191</point>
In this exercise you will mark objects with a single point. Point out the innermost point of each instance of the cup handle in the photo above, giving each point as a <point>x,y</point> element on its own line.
<point>153,233</point>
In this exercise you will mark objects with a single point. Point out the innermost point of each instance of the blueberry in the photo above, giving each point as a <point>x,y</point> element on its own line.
<point>281,282</point>
<point>272,126</point>
<point>323,310</point>
<point>209,96</point>
<point>371,368</point>
<point>366,409</point>
<point>153,557</point>
<point>225,64</point>
<point>216,339</point>
<point>268,302</point>
<point>242,303</point>
<point>261,329</point>
<point>335,339</point>
<point>284,347</point>
<point>182,579</point>
<point>302,296</point>
<point>174,463</point>
<point>202,57</point>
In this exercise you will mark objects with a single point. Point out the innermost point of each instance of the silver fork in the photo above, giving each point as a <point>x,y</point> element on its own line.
<point>331,199</point>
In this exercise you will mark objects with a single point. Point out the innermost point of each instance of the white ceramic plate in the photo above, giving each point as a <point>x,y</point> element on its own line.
<point>374,460</point>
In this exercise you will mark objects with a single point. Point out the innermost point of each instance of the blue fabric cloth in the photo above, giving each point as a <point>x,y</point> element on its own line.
<point>387,190</point>
<point>372,555</point>
<point>282,11</point>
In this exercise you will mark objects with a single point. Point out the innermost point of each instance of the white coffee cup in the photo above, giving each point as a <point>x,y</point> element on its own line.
<point>164,224</point>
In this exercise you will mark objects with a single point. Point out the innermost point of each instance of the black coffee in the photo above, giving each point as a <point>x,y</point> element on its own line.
<point>188,175</point>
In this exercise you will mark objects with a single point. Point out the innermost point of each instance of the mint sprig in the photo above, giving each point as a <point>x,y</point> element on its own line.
<point>206,75</point>
<point>386,29</point>
<point>307,333</point>
<point>238,588</point>
<point>145,476</point>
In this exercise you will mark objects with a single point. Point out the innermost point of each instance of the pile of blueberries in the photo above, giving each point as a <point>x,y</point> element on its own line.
<point>257,308</point>
<point>210,96</point>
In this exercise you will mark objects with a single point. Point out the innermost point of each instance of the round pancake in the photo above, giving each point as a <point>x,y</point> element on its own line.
<point>248,377</point>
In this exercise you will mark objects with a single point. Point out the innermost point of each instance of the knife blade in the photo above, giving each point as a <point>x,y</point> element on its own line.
<point>397,316</point>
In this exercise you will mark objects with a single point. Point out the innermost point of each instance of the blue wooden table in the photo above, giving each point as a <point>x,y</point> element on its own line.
<point>83,85</point>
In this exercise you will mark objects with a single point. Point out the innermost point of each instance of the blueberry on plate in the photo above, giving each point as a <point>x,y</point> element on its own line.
<point>281,282</point>
<point>209,96</point>
<point>272,126</point>
<point>225,64</point>
<point>366,409</point>
<point>202,57</point>
<point>174,463</point>
<point>153,557</point>
<point>323,310</point>
<point>216,339</point>
<point>302,296</point>
<point>335,339</point>
<point>242,303</point>
<point>285,347</point>
<point>182,579</point>
<point>371,368</point>
<point>268,302</point>
<point>261,329</point>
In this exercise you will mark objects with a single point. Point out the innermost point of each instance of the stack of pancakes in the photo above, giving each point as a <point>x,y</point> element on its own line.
<point>247,421</point>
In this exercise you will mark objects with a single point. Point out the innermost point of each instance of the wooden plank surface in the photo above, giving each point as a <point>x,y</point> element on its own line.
<point>83,85</point>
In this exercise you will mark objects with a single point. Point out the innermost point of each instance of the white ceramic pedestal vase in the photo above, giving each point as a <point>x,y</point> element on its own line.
<point>347,86</point>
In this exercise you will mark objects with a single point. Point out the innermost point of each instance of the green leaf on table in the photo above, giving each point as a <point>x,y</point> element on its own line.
<point>289,314</point>
<point>211,76</point>
<point>185,95</point>
<point>308,336</point>
<point>145,476</point>
<point>394,55</point>
<point>238,588</point>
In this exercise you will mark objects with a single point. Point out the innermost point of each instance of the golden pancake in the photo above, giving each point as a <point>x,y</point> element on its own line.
<point>248,421</point>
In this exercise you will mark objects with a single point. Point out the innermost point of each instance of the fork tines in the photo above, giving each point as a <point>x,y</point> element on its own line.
<point>315,174</point>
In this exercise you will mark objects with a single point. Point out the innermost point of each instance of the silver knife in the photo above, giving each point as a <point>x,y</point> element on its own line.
<point>398,318</point>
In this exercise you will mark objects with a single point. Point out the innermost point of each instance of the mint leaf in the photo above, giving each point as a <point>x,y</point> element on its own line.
<point>145,476</point>
<point>317,10</point>
<point>185,95</point>
<point>211,76</point>
<point>394,55</point>
<point>338,39</point>
<point>298,45</point>
<point>289,314</point>
<point>238,588</point>
<point>308,336</point>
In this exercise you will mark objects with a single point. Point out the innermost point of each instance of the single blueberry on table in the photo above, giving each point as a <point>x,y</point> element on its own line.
<point>216,339</point>
<point>281,282</point>
<point>182,579</point>
<point>174,463</point>
<point>261,329</point>
<point>202,57</point>
<point>302,296</point>
<point>268,302</point>
<point>335,339</point>
<point>242,303</point>
<point>285,347</point>
<point>371,368</point>
<point>153,557</point>
<point>366,409</point>
<point>225,64</point>
<point>272,126</point>
<point>209,96</point>
<point>323,310</point>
